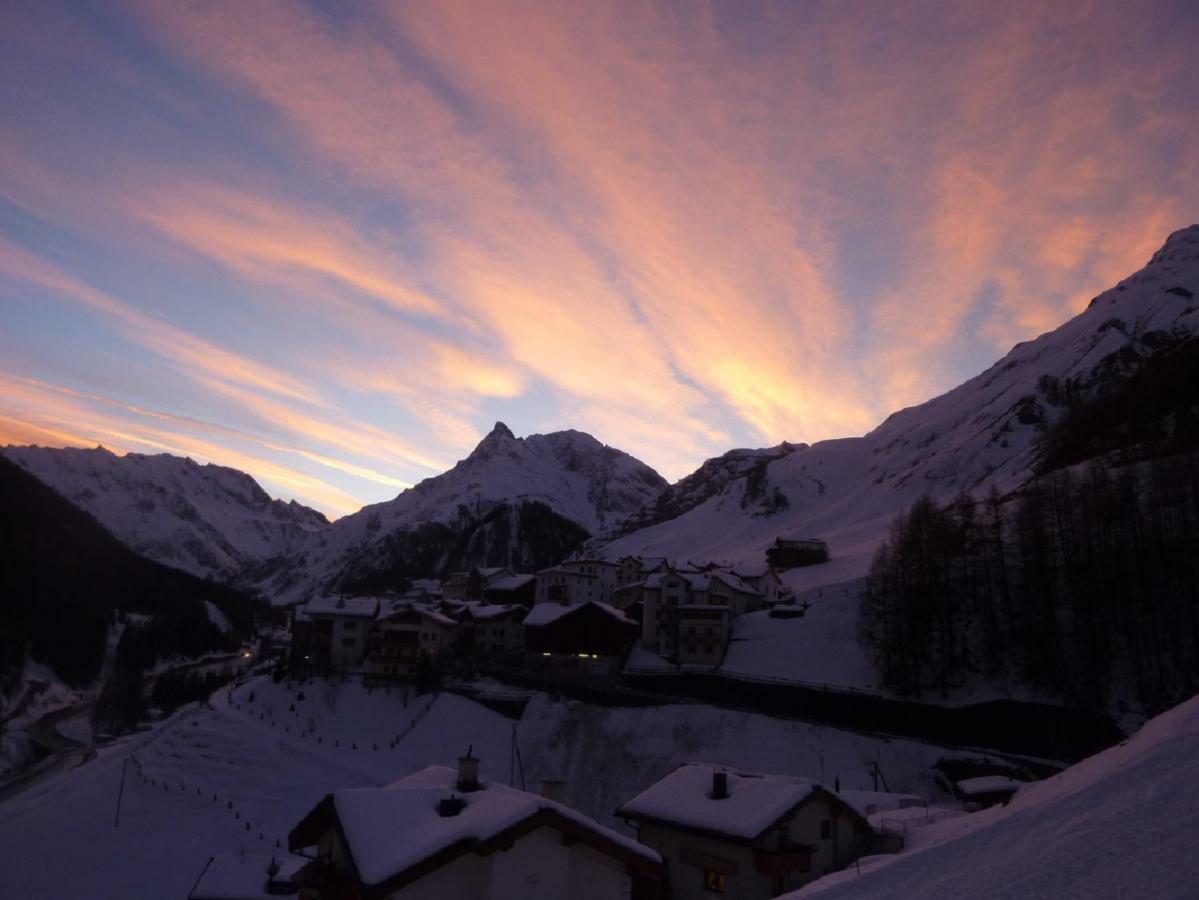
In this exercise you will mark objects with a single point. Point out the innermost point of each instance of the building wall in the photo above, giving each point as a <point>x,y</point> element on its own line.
<point>686,878</point>
<point>538,867</point>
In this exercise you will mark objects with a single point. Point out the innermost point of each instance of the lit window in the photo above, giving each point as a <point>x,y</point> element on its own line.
<point>714,881</point>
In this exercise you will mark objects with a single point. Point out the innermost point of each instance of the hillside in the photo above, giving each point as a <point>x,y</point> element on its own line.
<point>208,520</point>
<point>1114,825</point>
<point>984,432</point>
<point>62,576</point>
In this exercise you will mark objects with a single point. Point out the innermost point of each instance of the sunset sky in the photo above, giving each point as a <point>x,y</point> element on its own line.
<point>330,244</point>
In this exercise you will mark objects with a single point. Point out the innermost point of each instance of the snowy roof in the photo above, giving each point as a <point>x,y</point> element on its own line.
<point>391,829</point>
<point>989,784</point>
<point>491,610</point>
<point>544,613</point>
<point>424,612</point>
<point>361,607</point>
<point>510,582</point>
<point>558,570</point>
<point>700,582</point>
<point>242,876</point>
<point>755,802</point>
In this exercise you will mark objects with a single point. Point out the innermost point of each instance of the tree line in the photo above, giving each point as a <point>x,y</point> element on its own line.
<point>1086,585</point>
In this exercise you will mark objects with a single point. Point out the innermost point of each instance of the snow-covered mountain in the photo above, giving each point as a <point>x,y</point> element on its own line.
<point>525,502</point>
<point>982,433</point>
<point>208,520</point>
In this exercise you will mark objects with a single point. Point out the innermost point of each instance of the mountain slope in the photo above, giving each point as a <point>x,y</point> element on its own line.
<point>1113,825</point>
<point>62,575</point>
<point>208,520</point>
<point>526,502</point>
<point>984,432</point>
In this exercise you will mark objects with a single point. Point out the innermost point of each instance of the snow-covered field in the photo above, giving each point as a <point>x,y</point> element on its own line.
<point>273,763</point>
<point>1120,824</point>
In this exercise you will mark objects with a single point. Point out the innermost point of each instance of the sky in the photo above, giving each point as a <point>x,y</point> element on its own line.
<point>331,244</point>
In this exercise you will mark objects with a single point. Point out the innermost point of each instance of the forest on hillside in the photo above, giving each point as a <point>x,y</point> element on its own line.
<point>65,582</point>
<point>1087,586</point>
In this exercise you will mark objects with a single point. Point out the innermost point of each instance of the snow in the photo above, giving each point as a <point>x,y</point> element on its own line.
<point>60,834</point>
<point>545,613</point>
<point>208,520</point>
<point>754,802</point>
<point>392,829</point>
<point>848,491</point>
<point>243,876</point>
<point>484,611</point>
<point>218,618</point>
<point>988,784</point>
<point>820,647</point>
<point>1119,824</point>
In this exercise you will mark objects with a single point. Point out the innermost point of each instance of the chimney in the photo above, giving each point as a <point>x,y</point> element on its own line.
<point>450,806</point>
<point>720,785</point>
<point>554,789</point>
<point>468,772</point>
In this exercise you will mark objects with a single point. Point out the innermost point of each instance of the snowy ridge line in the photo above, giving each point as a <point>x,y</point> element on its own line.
<point>641,671</point>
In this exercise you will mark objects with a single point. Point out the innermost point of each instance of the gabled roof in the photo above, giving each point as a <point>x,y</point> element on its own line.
<point>430,615</point>
<point>545,613</point>
<point>357,607</point>
<point>558,570</point>
<point>755,802</point>
<point>485,611</point>
<point>509,582</point>
<point>394,835</point>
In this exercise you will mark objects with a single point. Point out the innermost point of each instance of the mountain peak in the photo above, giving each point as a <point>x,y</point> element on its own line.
<point>1182,245</point>
<point>501,430</point>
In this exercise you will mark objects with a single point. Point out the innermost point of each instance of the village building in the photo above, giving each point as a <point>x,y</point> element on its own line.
<point>492,630</point>
<point>687,617</point>
<point>469,585</point>
<point>332,632</point>
<point>722,832</point>
<point>583,641</point>
<point>400,640</point>
<point>790,553</point>
<point>635,569</point>
<point>516,588</point>
<point>439,833</point>
<point>567,586</point>
<point>607,573</point>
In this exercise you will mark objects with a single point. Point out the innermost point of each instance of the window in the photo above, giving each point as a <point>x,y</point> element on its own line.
<point>714,881</point>
<point>350,626</point>
<point>826,830</point>
<point>778,884</point>
<point>348,642</point>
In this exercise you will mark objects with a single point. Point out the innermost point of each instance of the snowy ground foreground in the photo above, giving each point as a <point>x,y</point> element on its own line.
<point>1120,824</point>
<point>62,842</point>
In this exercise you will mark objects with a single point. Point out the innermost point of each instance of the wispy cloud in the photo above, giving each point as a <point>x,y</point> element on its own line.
<point>683,228</point>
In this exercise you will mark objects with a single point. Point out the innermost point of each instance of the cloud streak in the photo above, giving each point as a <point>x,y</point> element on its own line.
<point>368,231</point>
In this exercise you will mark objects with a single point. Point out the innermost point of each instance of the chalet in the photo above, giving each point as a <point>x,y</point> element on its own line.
<point>491,629</point>
<point>722,832</point>
<point>763,579</point>
<point>987,790</point>
<point>790,553</point>
<point>590,639</point>
<point>333,632</point>
<point>440,833</point>
<point>400,640</point>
